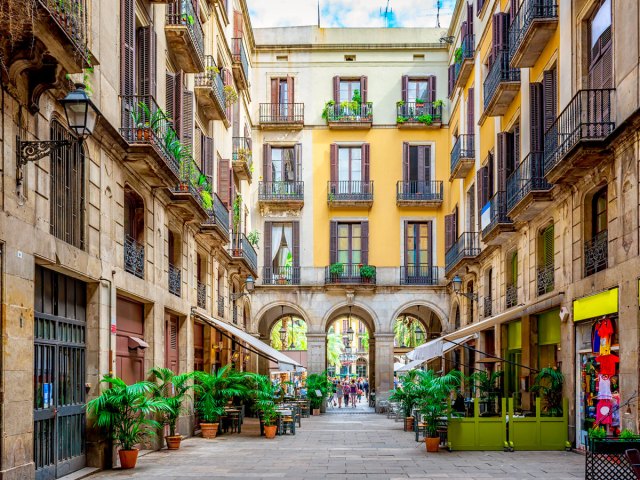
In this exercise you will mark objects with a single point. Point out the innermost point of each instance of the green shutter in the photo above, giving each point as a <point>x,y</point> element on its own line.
<point>549,327</point>
<point>547,240</point>
<point>514,335</point>
<point>514,268</point>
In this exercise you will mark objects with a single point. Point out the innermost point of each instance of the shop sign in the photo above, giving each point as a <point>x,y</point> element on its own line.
<point>598,305</point>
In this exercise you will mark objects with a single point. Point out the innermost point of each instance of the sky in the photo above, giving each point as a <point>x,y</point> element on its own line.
<point>349,13</point>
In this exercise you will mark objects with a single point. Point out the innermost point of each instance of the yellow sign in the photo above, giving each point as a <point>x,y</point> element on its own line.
<point>604,303</point>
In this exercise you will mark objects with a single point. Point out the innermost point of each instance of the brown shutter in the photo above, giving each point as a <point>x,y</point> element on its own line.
<point>449,221</point>
<point>170,95</point>
<point>127,47</point>
<point>224,180</point>
<point>405,161</point>
<point>171,345</point>
<point>480,187</point>
<point>405,87</point>
<point>513,10</point>
<point>470,112</point>
<point>208,160</point>
<point>515,159</point>
<point>537,119</point>
<point>431,88</point>
<point>430,244</point>
<point>470,19</point>
<point>502,160</point>
<point>267,245</point>
<point>333,241</point>
<point>187,120</point>
<point>364,242</point>
<point>452,79</point>
<point>333,154</point>
<point>266,163</point>
<point>297,156</point>
<point>364,83</point>
<point>455,222</point>
<point>177,100</point>
<point>489,177</point>
<point>275,98</point>
<point>406,245</point>
<point>237,24</point>
<point>464,30</point>
<point>147,61</point>
<point>296,244</point>
<point>336,89</point>
<point>365,167</point>
<point>290,89</point>
<point>549,84</point>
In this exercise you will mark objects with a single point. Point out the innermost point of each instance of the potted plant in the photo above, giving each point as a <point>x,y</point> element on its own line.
<point>317,390</point>
<point>327,108</point>
<point>458,55</point>
<point>253,238</point>
<point>173,390</point>
<point>237,216</point>
<point>124,411</point>
<point>407,397</point>
<point>548,383</point>
<point>419,102</point>
<point>425,119</point>
<point>367,272</point>
<point>489,386</point>
<point>336,270</point>
<point>265,394</point>
<point>230,95</point>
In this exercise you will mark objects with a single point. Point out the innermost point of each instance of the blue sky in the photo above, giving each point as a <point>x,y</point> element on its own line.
<point>349,13</point>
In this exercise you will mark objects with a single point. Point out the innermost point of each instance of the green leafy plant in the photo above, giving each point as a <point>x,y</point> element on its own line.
<point>214,390</point>
<point>489,386</point>
<point>408,394</point>
<point>265,392</point>
<point>438,103</point>
<point>336,269</point>
<point>254,238</point>
<point>597,433</point>
<point>236,209</point>
<point>367,271</point>
<point>230,95</point>
<point>357,98</point>
<point>457,55</point>
<point>124,411</point>
<point>425,118</point>
<point>173,390</point>
<point>207,199</point>
<point>548,383</point>
<point>327,106</point>
<point>627,434</point>
<point>317,382</point>
<point>400,103</point>
<point>401,119</point>
<point>433,394</point>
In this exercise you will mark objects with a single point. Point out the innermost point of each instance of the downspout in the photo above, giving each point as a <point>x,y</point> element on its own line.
<point>112,323</point>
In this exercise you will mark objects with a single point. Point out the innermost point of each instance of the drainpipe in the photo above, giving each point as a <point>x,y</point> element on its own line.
<point>112,323</point>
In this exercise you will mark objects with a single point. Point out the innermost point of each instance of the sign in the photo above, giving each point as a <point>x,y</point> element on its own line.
<point>604,303</point>
<point>318,393</point>
<point>485,216</point>
<point>46,395</point>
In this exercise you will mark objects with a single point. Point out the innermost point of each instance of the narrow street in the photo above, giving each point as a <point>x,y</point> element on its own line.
<point>340,445</point>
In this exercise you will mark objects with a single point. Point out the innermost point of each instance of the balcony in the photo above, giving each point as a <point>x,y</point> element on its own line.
<point>530,30</point>
<point>243,251</point>
<point>419,115</point>
<point>575,143</point>
<point>202,295</point>
<point>462,156</point>
<point>281,276</point>
<point>192,196</point>
<point>466,248</point>
<point>545,279</point>
<point>133,257</point>
<point>419,275</point>
<point>501,86</point>
<point>281,195</point>
<point>150,137</point>
<point>528,192</point>
<point>217,221</point>
<point>276,116</point>
<point>242,161</point>
<point>352,193</point>
<point>496,225</point>
<point>349,274</point>
<point>220,306</point>
<point>209,91</point>
<point>175,282</point>
<point>419,194</point>
<point>240,64</point>
<point>511,297</point>
<point>487,306</point>
<point>464,61</point>
<point>185,37</point>
<point>349,116</point>
<point>596,253</point>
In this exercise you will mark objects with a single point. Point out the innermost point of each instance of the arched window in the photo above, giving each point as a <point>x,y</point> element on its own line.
<point>599,212</point>
<point>133,232</point>
<point>596,246</point>
<point>456,322</point>
<point>545,277</point>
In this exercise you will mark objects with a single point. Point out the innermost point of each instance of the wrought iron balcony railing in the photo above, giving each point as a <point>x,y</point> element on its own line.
<point>589,116</point>
<point>348,113</point>
<point>71,16</point>
<point>221,306</point>
<point>426,113</point>
<point>466,246</point>
<point>350,190</point>
<point>212,78</point>
<point>497,212</point>
<point>528,177</point>
<point>350,273</point>
<point>511,297</point>
<point>463,148</point>
<point>239,55</point>
<point>282,113</point>
<point>467,50</point>
<point>487,306</point>
<point>545,279</point>
<point>241,151</point>
<point>133,256</point>
<point>499,72</point>
<point>182,13</point>
<point>202,294</point>
<point>420,191</point>
<point>234,314</point>
<point>175,280</point>
<point>281,276</point>
<point>528,12</point>
<point>596,253</point>
<point>241,248</point>
<point>194,182</point>
<point>218,214</point>
<point>285,191</point>
<point>419,275</point>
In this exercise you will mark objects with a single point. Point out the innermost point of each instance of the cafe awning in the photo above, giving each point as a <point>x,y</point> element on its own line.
<point>434,349</point>
<point>285,363</point>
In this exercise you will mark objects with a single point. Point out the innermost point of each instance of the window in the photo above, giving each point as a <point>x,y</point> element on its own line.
<point>348,89</point>
<point>282,90</point>
<point>488,299</point>
<point>511,293</point>
<point>133,233</point>
<point>597,245</point>
<point>600,47</point>
<point>471,209</point>
<point>418,251</point>
<point>470,302</point>
<point>281,168</point>
<point>419,89</point>
<point>417,163</point>
<point>175,282</point>
<point>349,243</point>
<point>546,261</point>
<point>349,164</point>
<point>283,164</point>
<point>282,252</point>
<point>350,169</point>
<point>599,209</point>
<point>67,188</point>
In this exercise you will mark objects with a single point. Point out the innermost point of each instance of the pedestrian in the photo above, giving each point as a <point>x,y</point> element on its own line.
<point>345,392</point>
<point>353,392</point>
<point>365,386</point>
<point>339,393</point>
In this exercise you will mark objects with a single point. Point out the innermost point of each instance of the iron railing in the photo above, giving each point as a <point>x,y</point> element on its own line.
<point>528,177</point>
<point>358,113</point>
<point>466,246</point>
<point>545,279</point>
<point>281,276</point>
<point>423,112</point>
<point>202,294</point>
<point>218,214</point>
<point>596,253</point>
<point>175,280</point>
<point>420,191</point>
<point>221,306</point>
<point>487,306</point>
<point>463,148</point>
<point>589,116</point>
<point>467,50</point>
<point>234,313</point>
<point>239,55</point>
<point>193,181</point>
<point>71,16</point>
<point>282,113</point>
<point>419,275</point>
<point>241,150</point>
<point>241,248</point>
<point>133,256</point>
<point>497,212</point>
<point>351,273</point>
<point>182,13</point>
<point>511,297</point>
<point>499,72</point>
<point>347,190</point>
<point>529,11</point>
<point>212,78</point>
<point>281,191</point>
<point>143,122</point>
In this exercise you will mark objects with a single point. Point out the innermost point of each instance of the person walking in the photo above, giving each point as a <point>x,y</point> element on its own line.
<point>365,387</point>
<point>345,392</point>
<point>353,392</point>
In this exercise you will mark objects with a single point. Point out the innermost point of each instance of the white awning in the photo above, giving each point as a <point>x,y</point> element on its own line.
<point>433,349</point>
<point>397,366</point>
<point>285,363</point>
<point>410,365</point>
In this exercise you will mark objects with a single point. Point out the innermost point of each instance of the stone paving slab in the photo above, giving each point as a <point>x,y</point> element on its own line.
<point>342,446</point>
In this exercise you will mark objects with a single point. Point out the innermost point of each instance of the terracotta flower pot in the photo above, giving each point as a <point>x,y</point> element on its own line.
<point>173,441</point>
<point>270,431</point>
<point>316,411</point>
<point>209,430</point>
<point>433,444</point>
<point>408,424</point>
<point>128,458</point>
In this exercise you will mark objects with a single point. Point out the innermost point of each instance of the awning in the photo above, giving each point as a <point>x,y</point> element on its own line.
<point>397,365</point>
<point>285,363</point>
<point>410,365</point>
<point>434,349</point>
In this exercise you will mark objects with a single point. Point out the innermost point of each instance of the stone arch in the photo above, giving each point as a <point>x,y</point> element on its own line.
<point>263,322</point>
<point>440,314</point>
<point>369,318</point>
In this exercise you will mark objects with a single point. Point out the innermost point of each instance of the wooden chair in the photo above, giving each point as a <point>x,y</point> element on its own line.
<point>633,457</point>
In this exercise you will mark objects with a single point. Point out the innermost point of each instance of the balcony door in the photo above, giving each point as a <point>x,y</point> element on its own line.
<point>349,245</point>
<point>281,168</point>
<point>282,91</point>
<point>282,252</point>
<point>418,257</point>
<point>417,168</point>
<point>600,48</point>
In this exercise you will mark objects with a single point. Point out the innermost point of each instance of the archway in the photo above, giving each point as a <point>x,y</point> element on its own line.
<point>414,326</point>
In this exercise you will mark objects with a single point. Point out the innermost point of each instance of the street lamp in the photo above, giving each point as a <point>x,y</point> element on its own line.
<point>456,282</point>
<point>283,336</point>
<point>249,285</point>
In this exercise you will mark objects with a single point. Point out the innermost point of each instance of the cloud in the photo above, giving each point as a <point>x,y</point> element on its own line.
<point>349,13</point>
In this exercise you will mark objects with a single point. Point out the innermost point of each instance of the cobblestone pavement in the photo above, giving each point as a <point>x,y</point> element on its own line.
<point>342,446</point>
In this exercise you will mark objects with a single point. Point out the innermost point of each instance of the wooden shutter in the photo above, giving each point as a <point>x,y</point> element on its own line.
<point>455,222</point>
<point>405,88</point>
<point>224,180</point>
<point>500,33</point>
<point>364,242</point>
<point>549,84</point>
<point>127,47</point>
<point>537,118</point>
<point>470,19</point>
<point>464,30</point>
<point>237,24</point>
<point>430,243</point>
<point>171,345</point>
<point>297,158</point>
<point>449,222</point>
<point>296,243</point>
<point>547,239</point>
<point>174,99</point>
<point>364,84</point>
<point>424,167</point>
<point>405,224</point>
<point>187,120</point>
<point>333,154</point>
<point>515,158</point>
<point>431,88</point>
<point>170,95</point>
<point>208,158</point>
<point>365,166</point>
<point>470,112</point>
<point>147,61</point>
<point>275,91</point>
<point>480,188</point>
<point>333,241</point>
<point>290,89</point>
<point>336,89</point>
<point>266,163</point>
<point>405,161</point>
<point>490,176</point>
<point>452,80</point>
<point>267,245</point>
<point>502,160</point>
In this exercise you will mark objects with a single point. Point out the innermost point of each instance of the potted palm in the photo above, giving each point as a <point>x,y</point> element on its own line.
<point>173,390</point>
<point>406,396</point>
<point>489,386</point>
<point>124,410</point>
<point>548,383</point>
<point>265,393</point>
<point>336,270</point>
<point>317,383</point>
<point>367,272</point>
